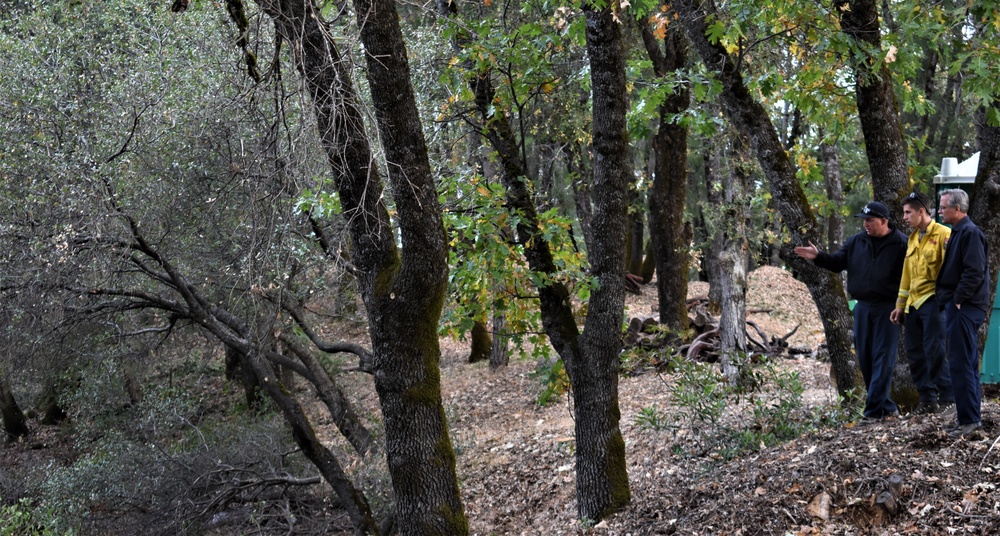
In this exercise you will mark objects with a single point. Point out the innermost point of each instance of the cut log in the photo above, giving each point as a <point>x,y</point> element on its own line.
<point>896,484</point>
<point>887,501</point>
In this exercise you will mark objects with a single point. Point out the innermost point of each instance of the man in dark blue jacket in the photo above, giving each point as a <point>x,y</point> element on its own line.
<point>873,259</point>
<point>964,294</point>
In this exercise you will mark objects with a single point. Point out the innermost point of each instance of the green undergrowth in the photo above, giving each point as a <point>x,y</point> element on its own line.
<point>28,518</point>
<point>707,417</point>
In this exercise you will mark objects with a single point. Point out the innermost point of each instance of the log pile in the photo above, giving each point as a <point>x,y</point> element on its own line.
<point>645,332</point>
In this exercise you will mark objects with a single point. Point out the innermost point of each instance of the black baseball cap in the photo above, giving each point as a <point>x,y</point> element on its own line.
<point>874,210</point>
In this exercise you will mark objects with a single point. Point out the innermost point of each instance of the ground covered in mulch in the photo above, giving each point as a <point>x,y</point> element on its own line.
<point>517,473</point>
<point>516,458</point>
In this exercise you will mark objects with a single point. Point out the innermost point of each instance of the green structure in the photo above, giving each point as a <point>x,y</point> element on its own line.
<point>955,174</point>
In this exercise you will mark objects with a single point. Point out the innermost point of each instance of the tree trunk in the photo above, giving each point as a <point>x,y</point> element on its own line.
<point>581,193</point>
<point>481,341</point>
<point>883,133</point>
<point>15,425</point>
<point>403,293</point>
<point>601,472</point>
<point>668,196</point>
<point>248,380</point>
<point>749,117</point>
<point>407,377</point>
<point>132,387</point>
<point>636,235</point>
<point>648,269</point>
<point>835,193</point>
<point>305,437</point>
<point>733,262</point>
<point>546,175</point>
<point>499,355</point>
<point>48,404</point>
<point>877,109</point>
<point>591,360</point>
<point>343,415</point>
<point>712,254</point>
<point>985,204</point>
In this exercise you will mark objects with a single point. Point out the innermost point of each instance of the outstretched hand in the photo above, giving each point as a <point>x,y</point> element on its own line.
<point>807,252</point>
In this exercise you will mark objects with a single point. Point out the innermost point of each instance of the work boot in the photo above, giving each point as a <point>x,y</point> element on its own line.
<point>925,408</point>
<point>865,421</point>
<point>947,410</point>
<point>965,430</point>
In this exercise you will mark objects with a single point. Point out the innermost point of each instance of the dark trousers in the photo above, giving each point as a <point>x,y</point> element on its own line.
<point>926,352</point>
<point>963,359</point>
<point>876,340</point>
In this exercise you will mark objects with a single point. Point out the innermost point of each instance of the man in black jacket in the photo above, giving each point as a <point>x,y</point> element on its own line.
<point>964,295</point>
<point>873,259</point>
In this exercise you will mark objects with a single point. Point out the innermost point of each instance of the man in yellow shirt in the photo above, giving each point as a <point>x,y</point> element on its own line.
<point>917,307</point>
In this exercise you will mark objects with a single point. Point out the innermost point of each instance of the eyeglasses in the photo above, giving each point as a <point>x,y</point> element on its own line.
<point>916,198</point>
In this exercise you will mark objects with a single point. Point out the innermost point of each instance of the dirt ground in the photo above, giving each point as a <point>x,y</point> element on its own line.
<point>516,464</point>
<point>517,473</point>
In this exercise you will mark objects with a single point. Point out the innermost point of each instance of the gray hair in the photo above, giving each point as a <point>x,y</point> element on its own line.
<point>957,198</point>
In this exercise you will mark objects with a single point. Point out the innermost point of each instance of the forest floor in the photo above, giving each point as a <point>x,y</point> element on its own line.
<point>516,464</point>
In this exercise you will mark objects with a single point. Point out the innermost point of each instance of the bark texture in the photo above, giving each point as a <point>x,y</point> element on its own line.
<point>749,117</point>
<point>591,359</point>
<point>985,204</point>
<point>348,422</point>
<point>601,474</point>
<point>669,193</point>
<point>499,352</point>
<point>877,107</point>
<point>481,341</point>
<point>403,291</point>
<point>15,425</point>
<point>835,193</point>
<point>733,262</point>
<point>712,216</point>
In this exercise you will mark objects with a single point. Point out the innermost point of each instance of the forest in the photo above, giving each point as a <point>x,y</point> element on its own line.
<point>248,248</point>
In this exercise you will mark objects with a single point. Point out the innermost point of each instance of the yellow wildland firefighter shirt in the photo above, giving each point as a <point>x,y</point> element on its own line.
<point>924,258</point>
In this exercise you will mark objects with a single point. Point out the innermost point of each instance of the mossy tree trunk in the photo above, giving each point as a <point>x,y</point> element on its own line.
<point>591,359</point>
<point>601,473</point>
<point>482,343</point>
<point>403,290</point>
<point>885,146</point>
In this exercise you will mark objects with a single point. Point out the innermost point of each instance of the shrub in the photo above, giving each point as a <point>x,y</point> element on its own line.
<point>725,421</point>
